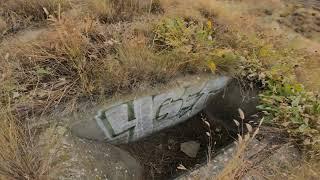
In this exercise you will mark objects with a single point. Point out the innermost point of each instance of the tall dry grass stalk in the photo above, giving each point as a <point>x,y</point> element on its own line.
<point>78,59</point>
<point>18,14</point>
<point>31,9</point>
<point>237,166</point>
<point>3,26</point>
<point>59,63</point>
<point>21,155</point>
<point>110,11</point>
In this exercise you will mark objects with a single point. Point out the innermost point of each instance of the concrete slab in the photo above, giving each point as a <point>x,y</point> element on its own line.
<point>133,118</point>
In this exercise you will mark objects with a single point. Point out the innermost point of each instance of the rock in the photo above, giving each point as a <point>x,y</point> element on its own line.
<point>84,159</point>
<point>190,148</point>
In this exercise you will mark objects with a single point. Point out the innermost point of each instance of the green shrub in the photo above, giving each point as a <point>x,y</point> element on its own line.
<point>195,42</point>
<point>177,33</point>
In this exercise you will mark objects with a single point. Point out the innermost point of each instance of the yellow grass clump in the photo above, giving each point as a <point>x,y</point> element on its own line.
<point>21,156</point>
<point>33,9</point>
<point>18,14</point>
<point>3,26</point>
<point>109,11</point>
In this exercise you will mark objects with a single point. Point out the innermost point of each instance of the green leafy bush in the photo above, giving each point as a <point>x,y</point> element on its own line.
<point>196,41</point>
<point>178,33</point>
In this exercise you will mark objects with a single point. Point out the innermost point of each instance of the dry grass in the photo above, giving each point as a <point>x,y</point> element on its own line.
<point>3,26</point>
<point>308,170</point>
<point>102,9</point>
<point>230,12</point>
<point>187,9</point>
<point>57,64</point>
<point>20,13</point>
<point>236,167</point>
<point>20,154</point>
<point>110,11</point>
<point>239,167</point>
<point>33,9</point>
<point>79,59</point>
<point>82,59</point>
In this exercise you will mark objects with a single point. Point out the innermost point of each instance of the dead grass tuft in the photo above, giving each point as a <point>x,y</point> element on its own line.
<point>102,9</point>
<point>236,167</point>
<point>33,9</point>
<point>308,170</point>
<point>3,26</point>
<point>79,59</point>
<point>57,65</point>
<point>110,11</point>
<point>20,13</point>
<point>20,155</point>
<point>187,9</point>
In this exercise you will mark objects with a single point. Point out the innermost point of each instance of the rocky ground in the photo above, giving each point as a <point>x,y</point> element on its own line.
<point>303,17</point>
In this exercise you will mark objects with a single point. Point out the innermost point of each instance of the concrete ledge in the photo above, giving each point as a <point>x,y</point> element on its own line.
<point>132,118</point>
<point>266,156</point>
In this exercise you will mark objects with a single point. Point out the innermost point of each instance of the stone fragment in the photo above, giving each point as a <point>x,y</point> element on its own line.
<point>84,159</point>
<point>190,148</point>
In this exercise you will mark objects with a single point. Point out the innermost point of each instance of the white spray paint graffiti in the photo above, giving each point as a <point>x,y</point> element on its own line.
<point>132,120</point>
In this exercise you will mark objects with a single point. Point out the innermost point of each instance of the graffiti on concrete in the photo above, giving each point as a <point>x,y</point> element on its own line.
<point>132,120</point>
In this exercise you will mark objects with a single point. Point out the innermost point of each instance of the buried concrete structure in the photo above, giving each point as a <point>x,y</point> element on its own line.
<point>133,118</point>
<point>256,158</point>
<point>85,160</point>
<point>126,119</point>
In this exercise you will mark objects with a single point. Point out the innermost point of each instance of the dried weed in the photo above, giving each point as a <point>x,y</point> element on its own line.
<point>21,155</point>
<point>110,11</point>
<point>20,13</point>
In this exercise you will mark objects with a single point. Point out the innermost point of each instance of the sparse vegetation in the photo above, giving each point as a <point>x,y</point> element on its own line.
<point>3,26</point>
<point>110,11</point>
<point>22,156</point>
<point>237,166</point>
<point>19,14</point>
<point>296,110</point>
<point>68,63</point>
<point>115,46</point>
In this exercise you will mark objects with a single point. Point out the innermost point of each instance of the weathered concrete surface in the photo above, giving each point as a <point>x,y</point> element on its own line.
<point>86,160</point>
<point>131,119</point>
<point>282,161</point>
<point>211,169</point>
<point>265,156</point>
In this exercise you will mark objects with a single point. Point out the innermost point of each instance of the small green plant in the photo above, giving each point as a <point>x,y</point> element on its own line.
<point>284,101</point>
<point>178,33</point>
<point>196,41</point>
<point>224,59</point>
<point>173,33</point>
<point>292,107</point>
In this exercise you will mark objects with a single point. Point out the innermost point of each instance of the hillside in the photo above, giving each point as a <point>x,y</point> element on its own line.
<point>63,57</point>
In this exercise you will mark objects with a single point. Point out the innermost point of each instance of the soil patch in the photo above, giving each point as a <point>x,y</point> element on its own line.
<point>303,17</point>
